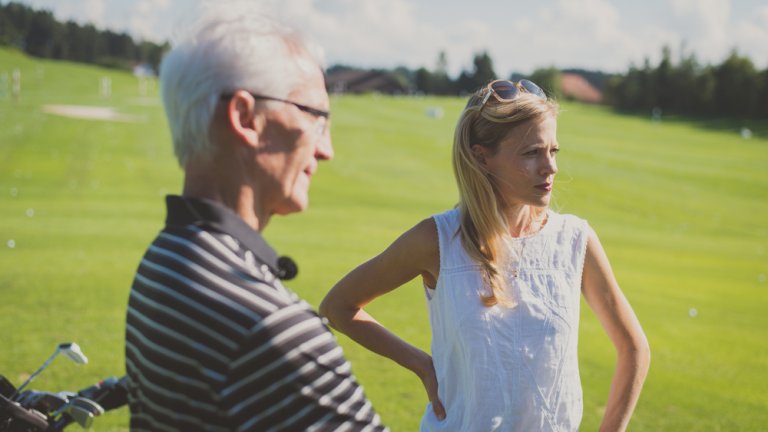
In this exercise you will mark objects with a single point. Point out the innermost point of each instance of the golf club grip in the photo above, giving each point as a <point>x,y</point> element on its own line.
<point>20,416</point>
<point>110,393</point>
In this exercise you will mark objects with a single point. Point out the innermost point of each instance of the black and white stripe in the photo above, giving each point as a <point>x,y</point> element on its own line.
<point>215,342</point>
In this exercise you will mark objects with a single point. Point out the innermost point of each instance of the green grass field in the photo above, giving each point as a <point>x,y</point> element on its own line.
<point>682,211</point>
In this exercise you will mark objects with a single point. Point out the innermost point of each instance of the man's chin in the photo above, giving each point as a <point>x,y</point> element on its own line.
<point>292,206</point>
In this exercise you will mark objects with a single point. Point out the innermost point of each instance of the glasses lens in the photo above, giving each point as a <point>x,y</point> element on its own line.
<point>321,126</point>
<point>505,89</point>
<point>532,88</point>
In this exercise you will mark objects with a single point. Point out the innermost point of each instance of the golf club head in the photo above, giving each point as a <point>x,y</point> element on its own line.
<point>83,411</point>
<point>73,351</point>
<point>87,404</point>
<point>44,402</point>
<point>82,416</point>
<point>70,349</point>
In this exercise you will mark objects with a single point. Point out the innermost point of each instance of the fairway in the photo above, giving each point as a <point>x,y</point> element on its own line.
<point>681,209</point>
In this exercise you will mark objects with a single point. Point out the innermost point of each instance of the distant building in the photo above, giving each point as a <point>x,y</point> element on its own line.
<point>363,81</point>
<point>576,87</point>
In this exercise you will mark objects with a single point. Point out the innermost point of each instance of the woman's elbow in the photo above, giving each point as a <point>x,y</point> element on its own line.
<point>643,356</point>
<point>326,310</point>
<point>335,311</point>
<point>638,352</point>
<point>643,348</point>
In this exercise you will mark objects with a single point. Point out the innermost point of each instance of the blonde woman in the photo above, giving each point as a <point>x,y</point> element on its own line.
<point>503,275</point>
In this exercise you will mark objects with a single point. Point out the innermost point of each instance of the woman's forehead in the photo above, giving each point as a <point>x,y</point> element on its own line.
<point>534,131</point>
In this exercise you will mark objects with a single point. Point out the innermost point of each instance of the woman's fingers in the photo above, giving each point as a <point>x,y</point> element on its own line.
<point>437,407</point>
<point>430,384</point>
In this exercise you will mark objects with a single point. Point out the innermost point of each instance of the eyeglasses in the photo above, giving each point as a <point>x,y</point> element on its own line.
<point>506,91</point>
<point>322,116</point>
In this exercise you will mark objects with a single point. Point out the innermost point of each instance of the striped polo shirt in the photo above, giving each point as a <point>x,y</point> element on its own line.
<point>215,342</point>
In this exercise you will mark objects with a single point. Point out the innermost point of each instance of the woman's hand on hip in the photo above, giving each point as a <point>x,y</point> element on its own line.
<point>429,380</point>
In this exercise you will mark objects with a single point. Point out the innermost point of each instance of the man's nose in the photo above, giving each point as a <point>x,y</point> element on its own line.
<point>324,148</point>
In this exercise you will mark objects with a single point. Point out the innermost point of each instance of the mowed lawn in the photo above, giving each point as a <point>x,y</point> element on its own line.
<point>681,209</point>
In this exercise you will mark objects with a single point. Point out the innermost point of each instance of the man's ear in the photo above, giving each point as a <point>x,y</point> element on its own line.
<point>246,122</point>
<point>478,152</point>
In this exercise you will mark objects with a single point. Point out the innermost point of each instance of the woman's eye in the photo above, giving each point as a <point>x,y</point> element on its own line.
<point>556,150</point>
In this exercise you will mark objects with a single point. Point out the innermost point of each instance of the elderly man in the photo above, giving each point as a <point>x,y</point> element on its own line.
<point>213,339</point>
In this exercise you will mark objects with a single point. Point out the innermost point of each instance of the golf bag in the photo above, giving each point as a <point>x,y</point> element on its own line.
<point>34,411</point>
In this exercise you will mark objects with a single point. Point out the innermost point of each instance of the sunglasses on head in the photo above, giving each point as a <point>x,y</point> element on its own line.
<point>506,91</point>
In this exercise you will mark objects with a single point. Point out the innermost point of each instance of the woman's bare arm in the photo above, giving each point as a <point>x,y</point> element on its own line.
<point>415,253</point>
<point>602,292</point>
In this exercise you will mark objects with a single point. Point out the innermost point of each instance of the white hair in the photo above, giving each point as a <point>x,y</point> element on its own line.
<point>230,46</point>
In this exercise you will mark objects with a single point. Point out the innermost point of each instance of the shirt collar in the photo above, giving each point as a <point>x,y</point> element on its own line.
<point>214,216</point>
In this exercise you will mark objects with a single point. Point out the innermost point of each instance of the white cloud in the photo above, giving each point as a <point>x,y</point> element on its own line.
<point>705,25</point>
<point>751,36</point>
<point>462,42</point>
<point>565,34</point>
<point>710,30</point>
<point>386,33</point>
<point>597,34</point>
<point>92,11</point>
<point>146,19</point>
<point>711,15</point>
<point>368,32</point>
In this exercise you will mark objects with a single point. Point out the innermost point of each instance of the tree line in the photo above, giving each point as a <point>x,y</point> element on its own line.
<point>481,72</point>
<point>39,34</point>
<point>439,82</point>
<point>733,88</point>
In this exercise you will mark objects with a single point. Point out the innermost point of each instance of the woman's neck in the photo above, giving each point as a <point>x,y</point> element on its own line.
<point>524,220</point>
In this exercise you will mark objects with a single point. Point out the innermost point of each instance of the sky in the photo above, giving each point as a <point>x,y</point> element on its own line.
<point>519,36</point>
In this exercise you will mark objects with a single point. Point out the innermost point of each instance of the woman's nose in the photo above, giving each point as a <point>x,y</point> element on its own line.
<point>549,167</point>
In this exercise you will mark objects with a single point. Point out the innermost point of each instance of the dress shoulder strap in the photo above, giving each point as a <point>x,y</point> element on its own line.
<point>576,231</point>
<point>452,252</point>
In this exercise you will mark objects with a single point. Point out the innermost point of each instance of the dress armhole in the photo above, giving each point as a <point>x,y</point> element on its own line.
<point>585,229</point>
<point>428,290</point>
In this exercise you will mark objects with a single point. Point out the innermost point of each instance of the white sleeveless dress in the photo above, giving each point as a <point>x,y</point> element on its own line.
<point>509,369</point>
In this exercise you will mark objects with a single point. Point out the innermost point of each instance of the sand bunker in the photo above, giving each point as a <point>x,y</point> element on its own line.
<point>89,113</point>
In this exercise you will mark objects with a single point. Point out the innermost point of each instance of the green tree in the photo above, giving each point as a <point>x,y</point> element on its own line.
<point>465,83</point>
<point>663,81</point>
<point>93,43</point>
<point>762,95</point>
<point>10,33</point>
<point>441,82</point>
<point>685,94</point>
<point>15,19</point>
<point>548,79</point>
<point>647,96</point>
<point>737,83</point>
<point>627,92</point>
<point>39,35</point>
<point>705,91</point>
<point>152,53</point>
<point>483,72</point>
<point>423,81</point>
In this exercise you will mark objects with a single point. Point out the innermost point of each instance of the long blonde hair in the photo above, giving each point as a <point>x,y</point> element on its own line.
<point>483,225</point>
